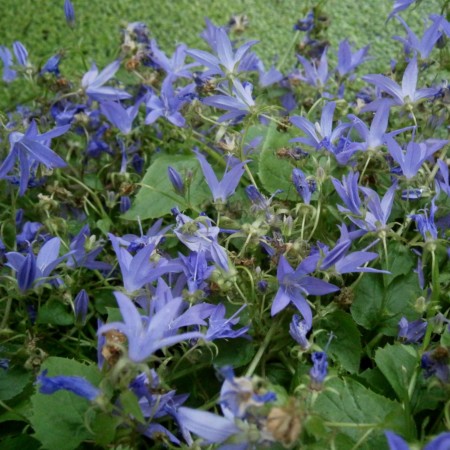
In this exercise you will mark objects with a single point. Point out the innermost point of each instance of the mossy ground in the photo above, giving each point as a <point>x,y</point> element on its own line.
<point>41,27</point>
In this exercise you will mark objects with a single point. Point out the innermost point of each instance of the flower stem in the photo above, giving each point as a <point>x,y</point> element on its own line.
<point>261,351</point>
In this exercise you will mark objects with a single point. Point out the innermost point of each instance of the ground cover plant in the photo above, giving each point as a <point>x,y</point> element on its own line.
<point>202,249</point>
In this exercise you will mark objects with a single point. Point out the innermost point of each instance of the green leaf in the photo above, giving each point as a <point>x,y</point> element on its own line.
<point>104,426</point>
<point>401,260</point>
<point>399,302</point>
<point>55,313</point>
<point>375,306</point>
<point>275,173</point>
<point>368,300</point>
<point>346,348</point>
<point>22,442</point>
<point>59,419</point>
<point>397,363</point>
<point>346,401</point>
<point>130,405</point>
<point>13,382</point>
<point>157,196</point>
<point>229,356</point>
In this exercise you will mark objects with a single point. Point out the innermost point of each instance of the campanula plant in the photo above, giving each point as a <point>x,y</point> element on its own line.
<point>217,247</point>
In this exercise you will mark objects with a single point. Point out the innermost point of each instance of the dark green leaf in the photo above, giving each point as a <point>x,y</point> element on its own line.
<point>368,300</point>
<point>22,442</point>
<point>13,382</point>
<point>234,352</point>
<point>397,363</point>
<point>345,349</point>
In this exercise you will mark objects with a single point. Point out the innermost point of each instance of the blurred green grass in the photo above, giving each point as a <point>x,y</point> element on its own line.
<point>40,26</point>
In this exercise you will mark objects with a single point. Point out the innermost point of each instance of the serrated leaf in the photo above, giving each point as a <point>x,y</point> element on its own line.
<point>64,409</point>
<point>157,196</point>
<point>397,363</point>
<point>346,348</point>
<point>12,382</point>
<point>347,401</point>
<point>275,173</point>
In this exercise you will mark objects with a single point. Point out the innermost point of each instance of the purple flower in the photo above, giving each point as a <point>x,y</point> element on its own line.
<point>378,211</point>
<point>349,193</point>
<point>147,334</point>
<point>348,263</point>
<point>221,328</point>
<point>174,67</point>
<point>400,5</point>
<point>6,57</point>
<point>239,394</point>
<point>436,363</point>
<point>120,116</point>
<point>348,61</point>
<point>31,269</point>
<point>422,46</point>
<point>320,135</point>
<point>395,442</point>
<point>411,332</point>
<point>138,270</point>
<point>315,74</point>
<point>81,304</point>
<point>176,180</point>
<point>29,148</point>
<point>201,236</point>
<point>298,329</point>
<point>21,53</point>
<point>302,186</point>
<point>52,65</point>
<point>223,189</point>
<point>440,442</point>
<point>93,81</point>
<point>195,271</point>
<point>405,94</point>
<point>78,385</point>
<point>295,285</point>
<point>238,105</point>
<point>167,104</point>
<point>412,159</point>
<point>81,257</point>
<point>69,12</point>
<point>211,427</point>
<point>319,369</point>
<point>425,223</point>
<point>226,62</point>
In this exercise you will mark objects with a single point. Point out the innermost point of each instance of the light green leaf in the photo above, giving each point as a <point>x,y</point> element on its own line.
<point>157,196</point>
<point>59,419</point>
<point>275,173</point>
